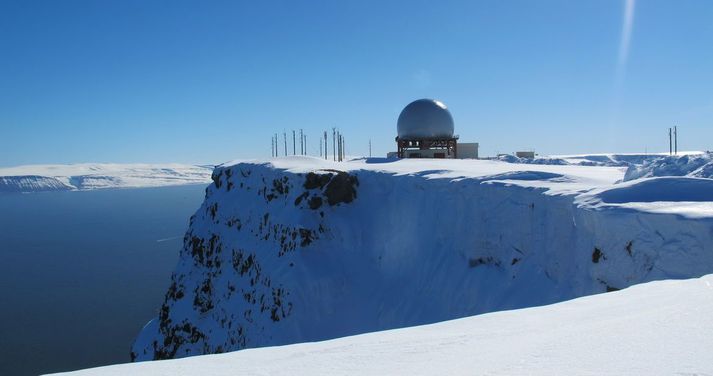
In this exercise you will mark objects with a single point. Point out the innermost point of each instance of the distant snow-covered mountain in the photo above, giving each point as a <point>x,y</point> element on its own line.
<point>87,176</point>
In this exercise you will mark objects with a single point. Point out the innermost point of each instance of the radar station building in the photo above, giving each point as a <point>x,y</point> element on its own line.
<point>425,130</point>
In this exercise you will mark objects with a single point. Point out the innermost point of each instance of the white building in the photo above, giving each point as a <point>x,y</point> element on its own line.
<point>425,130</point>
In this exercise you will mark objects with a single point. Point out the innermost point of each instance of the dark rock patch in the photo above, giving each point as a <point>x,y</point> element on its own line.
<point>307,237</point>
<point>301,197</point>
<point>315,202</point>
<point>597,255</point>
<point>474,262</point>
<point>313,180</point>
<point>341,189</point>
<point>203,297</point>
<point>216,178</point>
<point>213,210</point>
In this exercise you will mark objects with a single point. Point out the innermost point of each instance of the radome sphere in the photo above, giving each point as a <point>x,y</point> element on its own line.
<point>425,119</point>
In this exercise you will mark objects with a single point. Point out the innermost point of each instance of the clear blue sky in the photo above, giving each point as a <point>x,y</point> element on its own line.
<point>210,81</point>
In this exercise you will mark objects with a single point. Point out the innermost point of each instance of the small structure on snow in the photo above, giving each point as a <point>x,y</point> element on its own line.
<point>425,130</point>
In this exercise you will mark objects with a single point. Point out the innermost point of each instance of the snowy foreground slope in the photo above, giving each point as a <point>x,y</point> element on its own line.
<point>36,178</point>
<point>301,249</point>
<point>657,328</point>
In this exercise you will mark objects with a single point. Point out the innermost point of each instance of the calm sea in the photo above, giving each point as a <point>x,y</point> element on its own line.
<point>82,272</point>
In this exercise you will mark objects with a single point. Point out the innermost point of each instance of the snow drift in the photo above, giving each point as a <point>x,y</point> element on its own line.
<point>604,160</point>
<point>301,249</point>
<point>700,166</point>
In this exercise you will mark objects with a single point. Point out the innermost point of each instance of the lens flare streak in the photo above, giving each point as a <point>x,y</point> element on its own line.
<point>626,35</point>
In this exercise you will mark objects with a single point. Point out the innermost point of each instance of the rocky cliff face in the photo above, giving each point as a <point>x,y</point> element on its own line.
<point>277,256</point>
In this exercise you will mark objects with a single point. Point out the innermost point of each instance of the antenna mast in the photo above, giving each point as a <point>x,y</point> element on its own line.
<point>670,147</point>
<point>675,139</point>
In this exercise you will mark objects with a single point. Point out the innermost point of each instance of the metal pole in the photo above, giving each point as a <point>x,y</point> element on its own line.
<point>294,144</point>
<point>669,142</point>
<point>305,152</point>
<point>284,138</point>
<point>334,143</point>
<point>675,139</point>
<point>325,145</point>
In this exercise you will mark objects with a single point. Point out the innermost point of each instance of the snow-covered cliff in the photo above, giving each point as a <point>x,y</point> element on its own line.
<point>301,249</point>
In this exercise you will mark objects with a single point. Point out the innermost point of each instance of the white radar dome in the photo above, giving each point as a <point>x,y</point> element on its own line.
<point>425,119</point>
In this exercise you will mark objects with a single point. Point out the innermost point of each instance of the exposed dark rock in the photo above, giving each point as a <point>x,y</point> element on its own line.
<point>278,310</point>
<point>197,250</point>
<point>483,261</point>
<point>279,186</point>
<point>175,292</point>
<point>301,197</point>
<point>313,180</point>
<point>203,297</point>
<point>216,178</point>
<point>342,188</point>
<point>628,247</point>
<point>597,255</point>
<point>315,202</point>
<point>234,222</point>
<point>213,210</point>
<point>307,237</point>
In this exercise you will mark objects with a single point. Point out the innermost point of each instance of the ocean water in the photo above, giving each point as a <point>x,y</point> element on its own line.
<point>82,272</point>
